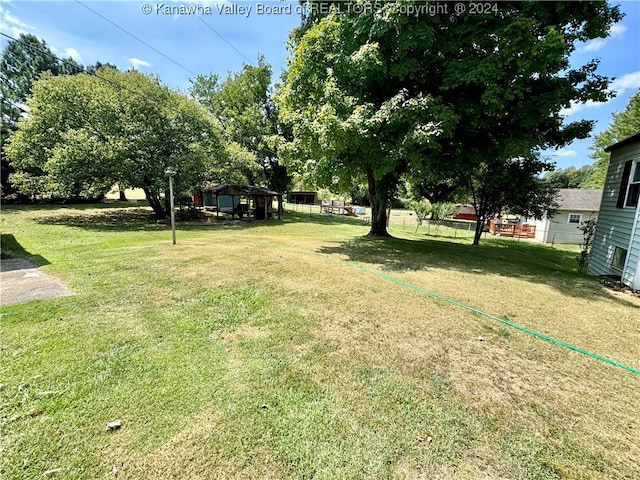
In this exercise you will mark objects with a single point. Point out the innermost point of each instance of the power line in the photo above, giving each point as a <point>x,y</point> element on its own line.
<point>223,39</point>
<point>135,37</point>
<point>81,68</point>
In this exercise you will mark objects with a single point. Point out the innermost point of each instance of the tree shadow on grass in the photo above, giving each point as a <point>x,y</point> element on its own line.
<point>11,248</point>
<point>119,219</point>
<point>535,263</point>
<point>505,257</point>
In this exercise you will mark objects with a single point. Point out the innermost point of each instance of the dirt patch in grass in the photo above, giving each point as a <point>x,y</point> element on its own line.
<point>616,285</point>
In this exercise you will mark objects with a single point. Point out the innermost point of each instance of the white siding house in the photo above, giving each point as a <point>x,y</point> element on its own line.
<point>616,247</point>
<point>575,205</point>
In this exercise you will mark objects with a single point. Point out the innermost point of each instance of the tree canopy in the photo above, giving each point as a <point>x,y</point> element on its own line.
<point>21,63</point>
<point>243,106</point>
<point>461,99</point>
<point>622,125</point>
<point>85,133</point>
<point>570,177</point>
<point>352,115</point>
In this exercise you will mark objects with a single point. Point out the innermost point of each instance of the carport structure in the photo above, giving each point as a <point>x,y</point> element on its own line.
<point>255,202</point>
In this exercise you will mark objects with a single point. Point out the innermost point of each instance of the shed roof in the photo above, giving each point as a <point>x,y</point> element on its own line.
<point>624,142</point>
<point>248,190</point>
<point>580,199</point>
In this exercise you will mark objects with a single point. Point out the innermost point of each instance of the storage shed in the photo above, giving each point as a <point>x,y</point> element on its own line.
<point>303,197</point>
<point>254,202</point>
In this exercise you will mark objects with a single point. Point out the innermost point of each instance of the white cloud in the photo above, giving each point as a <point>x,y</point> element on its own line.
<point>617,31</point>
<point>12,25</point>
<point>627,81</point>
<point>73,53</point>
<point>566,153</point>
<point>619,86</point>
<point>594,45</point>
<point>136,62</point>
<point>576,107</point>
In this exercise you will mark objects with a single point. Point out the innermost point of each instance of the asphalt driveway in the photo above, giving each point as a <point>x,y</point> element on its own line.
<point>22,281</point>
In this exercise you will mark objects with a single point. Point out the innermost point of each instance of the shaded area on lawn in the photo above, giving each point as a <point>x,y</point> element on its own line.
<point>221,361</point>
<point>20,277</point>
<point>11,248</point>
<point>122,219</point>
<point>494,256</point>
<point>504,257</point>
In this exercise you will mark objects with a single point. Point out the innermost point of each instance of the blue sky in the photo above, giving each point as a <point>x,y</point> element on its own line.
<point>220,38</point>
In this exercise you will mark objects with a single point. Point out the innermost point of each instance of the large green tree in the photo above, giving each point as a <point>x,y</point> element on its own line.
<point>21,63</point>
<point>623,124</point>
<point>354,120</point>
<point>506,76</point>
<point>483,91</point>
<point>243,106</point>
<point>86,133</point>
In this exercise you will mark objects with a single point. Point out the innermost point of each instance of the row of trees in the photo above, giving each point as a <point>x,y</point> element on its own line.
<point>21,63</point>
<point>82,132</point>
<point>445,106</point>
<point>86,133</point>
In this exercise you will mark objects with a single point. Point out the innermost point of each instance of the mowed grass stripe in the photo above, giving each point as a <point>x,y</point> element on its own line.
<point>461,305</point>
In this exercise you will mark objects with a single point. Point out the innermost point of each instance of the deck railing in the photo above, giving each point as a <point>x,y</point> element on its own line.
<point>519,230</point>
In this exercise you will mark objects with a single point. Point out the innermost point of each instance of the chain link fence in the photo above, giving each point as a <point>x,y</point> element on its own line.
<point>406,220</point>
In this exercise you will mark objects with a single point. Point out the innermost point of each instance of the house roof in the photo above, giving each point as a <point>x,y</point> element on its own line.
<point>580,199</point>
<point>624,142</point>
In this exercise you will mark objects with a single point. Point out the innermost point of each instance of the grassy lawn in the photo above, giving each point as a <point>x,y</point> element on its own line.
<point>290,350</point>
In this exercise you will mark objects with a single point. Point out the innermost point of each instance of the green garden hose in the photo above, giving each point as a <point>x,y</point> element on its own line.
<point>498,319</point>
<point>468,308</point>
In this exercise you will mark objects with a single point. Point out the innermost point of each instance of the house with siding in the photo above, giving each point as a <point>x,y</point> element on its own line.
<point>575,205</point>
<point>616,247</point>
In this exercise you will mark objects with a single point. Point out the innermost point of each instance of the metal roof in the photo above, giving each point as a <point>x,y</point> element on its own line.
<point>248,190</point>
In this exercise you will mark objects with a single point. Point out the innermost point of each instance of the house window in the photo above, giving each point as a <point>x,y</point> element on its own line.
<point>633,192</point>
<point>619,257</point>
<point>575,218</point>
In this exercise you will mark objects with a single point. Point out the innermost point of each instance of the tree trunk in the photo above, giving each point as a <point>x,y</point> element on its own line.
<point>480,222</point>
<point>378,201</point>
<point>479,206</point>
<point>156,204</point>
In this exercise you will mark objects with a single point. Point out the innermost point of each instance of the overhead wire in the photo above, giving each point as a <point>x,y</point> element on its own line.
<point>223,39</point>
<point>136,37</point>
<point>186,69</point>
<point>82,69</point>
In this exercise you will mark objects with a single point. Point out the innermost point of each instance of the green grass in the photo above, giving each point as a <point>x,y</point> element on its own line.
<point>260,350</point>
